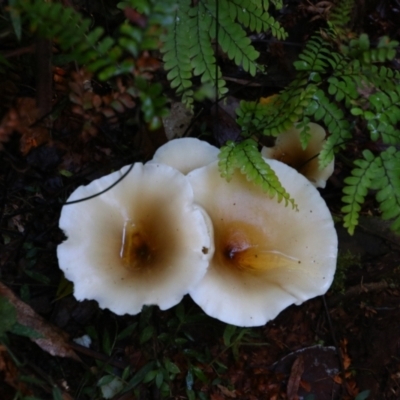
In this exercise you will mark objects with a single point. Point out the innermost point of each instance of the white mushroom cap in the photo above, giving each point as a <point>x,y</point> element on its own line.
<point>143,242</point>
<point>186,154</point>
<point>267,256</point>
<point>288,150</point>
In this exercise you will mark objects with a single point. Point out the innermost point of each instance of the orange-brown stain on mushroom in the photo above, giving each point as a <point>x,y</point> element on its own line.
<point>243,248</point>
<point>143,247</point>
<point>136,252</point>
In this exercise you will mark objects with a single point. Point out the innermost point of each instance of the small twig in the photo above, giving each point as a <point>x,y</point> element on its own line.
<point>356,291</point>
<point>4,196</point>
<point>335,342</point>
<point>378,235</point>
<point>98,356</point>
<point>19,52</point>
<point>44,78</point>
<point>216,67</point>
<point>243,81</point>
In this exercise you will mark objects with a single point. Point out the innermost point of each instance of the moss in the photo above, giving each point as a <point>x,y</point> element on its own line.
<point>346,260</point>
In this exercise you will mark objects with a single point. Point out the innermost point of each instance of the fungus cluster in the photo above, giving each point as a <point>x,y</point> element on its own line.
<point>174,226</point>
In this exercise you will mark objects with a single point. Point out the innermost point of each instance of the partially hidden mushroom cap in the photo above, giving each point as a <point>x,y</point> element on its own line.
<point>186,154</point>
<point>288,150</point>
<point>143,242</point>
<point>267,256</point>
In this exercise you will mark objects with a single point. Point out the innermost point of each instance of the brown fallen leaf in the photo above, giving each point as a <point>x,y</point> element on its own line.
<point>321,364</point>
<point>216,396</point>
<point>54,341</point>
<point>225,391</point>
<point>9,373</point>
<point>305,385</point>
<point>22,118</point>
<point>345,356</point>
<point>338,379</point>
<point>294,378</point>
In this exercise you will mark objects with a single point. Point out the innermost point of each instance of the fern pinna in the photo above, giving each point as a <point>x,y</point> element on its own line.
<point>341,86</point>
<point>247,157</point>
<point>188,45</point>
<point>105,55</point>
<point>381,173</point>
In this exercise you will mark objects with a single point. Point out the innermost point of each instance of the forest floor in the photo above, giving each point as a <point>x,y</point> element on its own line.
<point>344,345</point>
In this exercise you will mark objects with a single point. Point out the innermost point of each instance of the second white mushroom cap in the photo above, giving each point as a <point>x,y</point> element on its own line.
<point>186,154</point>
<point>267,256</point>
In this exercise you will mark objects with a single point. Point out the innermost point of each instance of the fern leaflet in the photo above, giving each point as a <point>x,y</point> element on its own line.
<point>280,114</point>
<point>314,57</point>
<point>247,157</point>
<point>188,47</point>
<point>232,38</point>
<point>340,17</point>
<point>389,194</point>
<point>333,117</point>
<point>176,48</point>
<point>227,160</point>
<point>255,17</point>
<point>356,188</point>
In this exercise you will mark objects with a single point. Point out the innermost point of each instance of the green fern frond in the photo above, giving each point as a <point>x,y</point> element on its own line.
<point>384,115</point>
<point>359,48</point>
<point>291,103</point>
<point>71,31</point>
<point>382,111</point>
<point>280,114</point>
<point>251,116</point>
<point>343,88</point>
<point>334,120</point>
<point>43,17</point>
<point>188,49</point>
<point>315,56</point>
<point>104,55</point>
<point>305,132</point>
<point>202,56</point>
<point>339,19</point>
<point>153,103</point>
<point>254,16</point>
<point>176,48</point>
<point>232,37</point>
<point>389,194</point>
<point>388,133</point>
<point>381,77</point>
<point>349,68</point>
<point>100,53</point>
<point>386,106</point>
<point>227,160</point>
<point>381,173</point>
<point>277,3</point>
<point>357,186</point>
<point>332,86</point>
<point>247,157</point>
